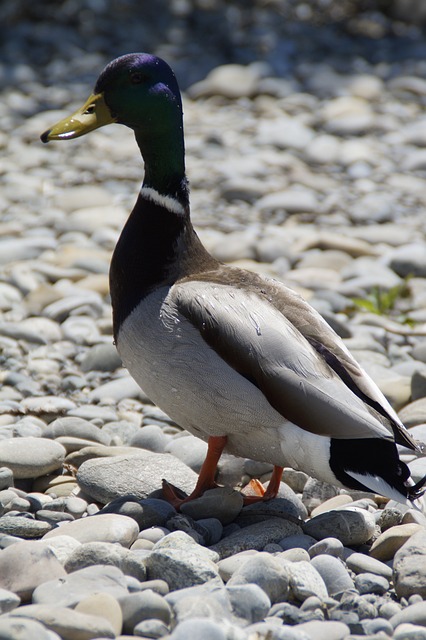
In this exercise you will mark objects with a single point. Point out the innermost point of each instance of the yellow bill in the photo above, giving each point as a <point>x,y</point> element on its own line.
<point>92,115</point>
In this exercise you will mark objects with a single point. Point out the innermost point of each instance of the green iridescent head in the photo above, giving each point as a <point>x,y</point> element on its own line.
<point>138,90</point>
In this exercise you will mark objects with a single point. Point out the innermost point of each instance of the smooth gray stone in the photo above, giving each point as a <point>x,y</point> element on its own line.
<point>334,574</point>
<point>316,492</point>
<point>209,600</point>
<point>306,581</point>
<point>118,389</point>
<point>409,631</point>
<point>101,357</point>
<point>150,437</point>
<point>414,613</point>
<point>107,527</point>
<point>76,428</point>
<point>143,606</point>
<point>21,527</point>
<point>26,565</point>
<point>213,530</point>
<point>69,590</point>
<point>352,603</point>
<point>361,563</point>
<point>249,602</point>
<point>273,631</point>
<point>180,568</point>
<point>409,260</point>
<point>324,630</point>
<point>151,628</point>
<point>377,625</point>
<point>159,586</point>
<point>256,536</point>
<point>197,628</point>
<point>105,479</point>
<point>409,567</point>
<point>327,546</point>
<point>286,503</point>
<point>351,527</point>
<point>269,573</point>
<point>147,513</point>
<point>8,600</point>
<point>31,457</point>
<point>414,413</point>
<point>296,541</point>
<point>189,449</point>
<point>371,583</point>
<point>223,503</point>
<point>68,624</point>
<point>6,478</point>
<point>53,517</point>
<point>96,553</point>
<point>14,628</point>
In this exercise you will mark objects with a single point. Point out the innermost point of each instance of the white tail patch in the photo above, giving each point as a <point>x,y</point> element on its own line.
<point>380,486</point>
<point>168,202</point>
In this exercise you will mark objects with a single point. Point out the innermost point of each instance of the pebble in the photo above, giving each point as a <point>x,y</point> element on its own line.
<point>76,428</point>
<point>26,565</point>
<point>70,624</point>
<point>105,479</point>
<point>69,590</point>
<point>145,605</point>
<point>94,553</point>
<point>409,566</point>
<point>267,572</point>
<point>350,526</point>
<point>31,457</point>
<point>181,562</point>
<point>16,628</point>
<point>324,630</point>
<point>388,543</point>
<point>26,528</point>
<point>328,546</point>
<point>408,631</point>
<point>371,583</point>
<point>306,581</point>
<point>334,574</point>
<point>413,614</point>
<point>255,536</point>
<point>108,527</point>
<point>361,563</point>
<point>8,600</point>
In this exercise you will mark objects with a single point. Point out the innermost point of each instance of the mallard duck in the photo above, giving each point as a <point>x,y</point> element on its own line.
<point>236,358</point>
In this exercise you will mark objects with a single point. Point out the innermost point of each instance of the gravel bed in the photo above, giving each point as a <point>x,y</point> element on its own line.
<point>312,171</point>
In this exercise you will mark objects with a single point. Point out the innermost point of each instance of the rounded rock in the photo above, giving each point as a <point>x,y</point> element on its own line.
<point>69,590</point>
<point>334,573</point>
<point>105,606</point>
<point>267,572</point>
<point>31,457</point>
<point>350,526</point>
<point>371,583</point>
<point>106,527</point>
<point>144,605</point>
<point>388,543</point>
<point>409,567</point>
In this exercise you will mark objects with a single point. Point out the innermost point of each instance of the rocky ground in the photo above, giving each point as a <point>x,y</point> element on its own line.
<point>310,170</point>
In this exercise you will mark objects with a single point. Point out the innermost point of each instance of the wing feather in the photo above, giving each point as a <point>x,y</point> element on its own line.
<point>255,338</point>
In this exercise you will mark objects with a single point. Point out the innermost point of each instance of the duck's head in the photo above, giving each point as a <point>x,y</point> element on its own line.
<point>138,90</point>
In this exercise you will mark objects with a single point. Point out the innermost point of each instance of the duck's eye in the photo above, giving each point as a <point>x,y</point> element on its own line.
<point>90,109</point>
<point>137,78</point>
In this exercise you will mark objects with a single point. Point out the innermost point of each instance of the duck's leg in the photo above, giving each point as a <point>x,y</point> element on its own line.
<point>271,491</point>
<point>206,477</point>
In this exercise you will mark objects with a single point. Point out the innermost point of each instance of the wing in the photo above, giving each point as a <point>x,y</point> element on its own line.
<point>259,342</point>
